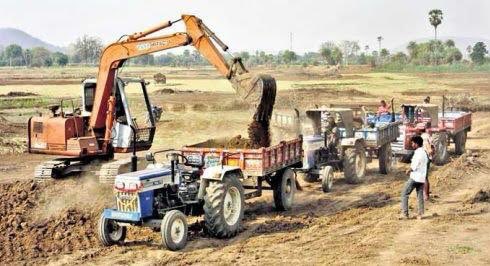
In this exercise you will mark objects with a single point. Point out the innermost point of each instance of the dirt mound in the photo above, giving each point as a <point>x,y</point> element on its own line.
<point>172,91</point>
<point>26,238</point>
<point>18,94</point>
<point>165,91</point>
<point>480,196</point>
<point>160,78</point>
<point>10,145</point>
<point>237,142</point>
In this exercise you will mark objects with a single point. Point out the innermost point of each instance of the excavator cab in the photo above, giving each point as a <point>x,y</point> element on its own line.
<point>129,125</point>
<point>132,128</point>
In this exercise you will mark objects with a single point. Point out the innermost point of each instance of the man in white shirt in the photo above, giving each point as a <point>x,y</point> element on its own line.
<point>418,173</point>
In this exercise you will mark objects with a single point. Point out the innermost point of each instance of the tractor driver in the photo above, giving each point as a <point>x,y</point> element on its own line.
<point>331,133</point>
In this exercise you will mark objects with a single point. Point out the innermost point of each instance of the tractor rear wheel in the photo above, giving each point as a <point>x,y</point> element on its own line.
<point>284,187</point>
<point>385,159</point>
<point>110,232</point>
<point>354,164</point>
<point>224,204</point>
<point>460,142</point>
<point>174,230</point>
<point>441,155</point>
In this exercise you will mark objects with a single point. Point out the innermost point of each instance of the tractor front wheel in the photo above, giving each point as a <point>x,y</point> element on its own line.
<point>110,232</point>
<point>326,174</point>
<point>174,230</point>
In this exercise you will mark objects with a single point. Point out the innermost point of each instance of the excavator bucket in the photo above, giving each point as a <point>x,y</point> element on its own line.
<point>259,90</point>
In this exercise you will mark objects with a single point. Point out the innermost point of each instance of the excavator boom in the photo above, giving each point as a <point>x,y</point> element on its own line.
<point>198,35</point>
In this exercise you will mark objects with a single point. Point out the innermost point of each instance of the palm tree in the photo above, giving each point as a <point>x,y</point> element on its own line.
<point>380,38</point>
<point>435,19</point>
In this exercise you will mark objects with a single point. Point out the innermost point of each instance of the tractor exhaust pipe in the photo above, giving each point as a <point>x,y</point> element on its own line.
<point>134,158</point>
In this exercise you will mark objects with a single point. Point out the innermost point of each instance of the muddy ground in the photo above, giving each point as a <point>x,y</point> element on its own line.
<point>54,222</point>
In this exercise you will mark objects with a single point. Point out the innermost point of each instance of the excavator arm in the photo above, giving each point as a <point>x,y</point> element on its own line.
<point>258,90</point>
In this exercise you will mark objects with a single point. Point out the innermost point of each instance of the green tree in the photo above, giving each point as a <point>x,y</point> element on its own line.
<point>60,59</point>
<point>384,52</point>
<point>13,55</point>
<point>412,50</point>
<point>450,43</point>
<point>326,54</point>
<point>453,55</point>
<point>435,19</point>
<point>478,53</point>
<point>88,49</point>
<point>337,56</point>
<point>27,55</point>
<point>399,58</point>
<point>41,57</point>
<point>289,56</point>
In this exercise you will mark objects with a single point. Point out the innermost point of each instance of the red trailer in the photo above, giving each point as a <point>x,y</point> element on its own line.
<point>272,164</point>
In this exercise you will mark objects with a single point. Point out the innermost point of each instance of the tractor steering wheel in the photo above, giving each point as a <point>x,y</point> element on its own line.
<point>176,154</point>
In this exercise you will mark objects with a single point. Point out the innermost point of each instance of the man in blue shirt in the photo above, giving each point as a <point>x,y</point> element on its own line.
<point>418,173</point>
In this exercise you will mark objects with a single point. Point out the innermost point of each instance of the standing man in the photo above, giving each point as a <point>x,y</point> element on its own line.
<point>418,173</point>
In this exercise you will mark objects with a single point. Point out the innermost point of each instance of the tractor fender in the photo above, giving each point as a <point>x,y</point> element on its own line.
<point>352,142</point>
<point>215,173</point>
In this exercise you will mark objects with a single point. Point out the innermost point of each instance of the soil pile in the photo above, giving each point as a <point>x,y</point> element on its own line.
<point>259,134</point>
<point>480,196</point>
<point>26,238</point>
<point>18,94</point>
<point>237,142</point>
<point>11,146</point>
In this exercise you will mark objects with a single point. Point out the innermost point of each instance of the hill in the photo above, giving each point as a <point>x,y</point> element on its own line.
<point>15,36</point>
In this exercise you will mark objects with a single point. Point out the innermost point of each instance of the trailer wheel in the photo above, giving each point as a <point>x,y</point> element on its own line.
<point>284,187</point>
<point>224,206</point>
<point>385,159</point>
<point>441,154</point>
<point>109,232</point>
<point>354,164</point>
<point>460,142</point>
<point>326,174</point>
<point>174,230</point>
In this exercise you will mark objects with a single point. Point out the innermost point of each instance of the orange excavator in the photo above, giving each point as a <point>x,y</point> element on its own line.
<point>105,124</point>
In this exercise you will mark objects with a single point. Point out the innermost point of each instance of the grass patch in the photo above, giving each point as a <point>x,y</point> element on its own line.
<point>15,103</point>
<point>460,249</point>
<point>449,68</point>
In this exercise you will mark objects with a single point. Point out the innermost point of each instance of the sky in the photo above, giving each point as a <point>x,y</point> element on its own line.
<point>253,24</point>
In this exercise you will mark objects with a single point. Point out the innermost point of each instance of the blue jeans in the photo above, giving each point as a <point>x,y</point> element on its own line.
<point>410,185</point>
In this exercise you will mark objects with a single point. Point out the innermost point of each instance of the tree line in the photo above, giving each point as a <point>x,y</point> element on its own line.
<point>86,50</point>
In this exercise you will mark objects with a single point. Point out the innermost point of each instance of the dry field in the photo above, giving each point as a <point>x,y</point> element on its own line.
<point>53,223</point>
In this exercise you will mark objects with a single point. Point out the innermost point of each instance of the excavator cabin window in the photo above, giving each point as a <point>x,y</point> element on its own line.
<point>120,112</point>
<point>89,92</point>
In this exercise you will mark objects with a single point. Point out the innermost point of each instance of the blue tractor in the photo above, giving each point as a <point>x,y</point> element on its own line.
<point>161,196</point>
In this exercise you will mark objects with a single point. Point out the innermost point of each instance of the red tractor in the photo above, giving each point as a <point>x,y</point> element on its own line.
<point>441,126</point>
